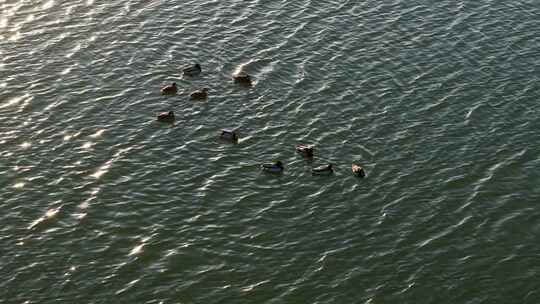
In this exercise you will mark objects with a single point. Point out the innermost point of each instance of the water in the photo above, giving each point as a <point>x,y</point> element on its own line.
<point>102,204</point>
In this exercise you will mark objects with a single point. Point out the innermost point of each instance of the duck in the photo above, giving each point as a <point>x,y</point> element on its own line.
<point>323,170</point>
<point>230,135</point>
<point>169,89</point>
<point>305,150</point>
<point>275,167</point>
<point>243,78</point>
<point>166,116</point>
<point>192,70</point>
<point>358,170</point>
<point>199,94</point>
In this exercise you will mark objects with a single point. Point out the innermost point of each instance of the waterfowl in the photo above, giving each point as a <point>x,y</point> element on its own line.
<point>192,70</point>
<point>242,78</point>
<point>323,170</point>
<point>169,89</point>
<point>276,167</point>
<point>166,116</point>
<point>230,135</point>
<point>199,94</point>
<point>358,171</point>
<point>305,150</point>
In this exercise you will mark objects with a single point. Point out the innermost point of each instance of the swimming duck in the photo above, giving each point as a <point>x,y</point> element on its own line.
<point>243,78</point>
<point>229,135</point>
<point>199,94</point>
<point>166,116</point>
<point>192,70</point>
<point>276,167</point>
<point>358,171</point>
<point>305,150</point>
<point>323,170</point>
<point>169,89</point>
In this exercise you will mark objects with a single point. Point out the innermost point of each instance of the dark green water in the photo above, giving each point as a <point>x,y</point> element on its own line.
<point>103,204</point>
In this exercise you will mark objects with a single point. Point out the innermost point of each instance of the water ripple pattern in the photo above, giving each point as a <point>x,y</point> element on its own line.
<point>436,99</point>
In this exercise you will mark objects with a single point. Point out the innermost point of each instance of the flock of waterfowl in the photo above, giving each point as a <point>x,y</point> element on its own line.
<point>232,136</point>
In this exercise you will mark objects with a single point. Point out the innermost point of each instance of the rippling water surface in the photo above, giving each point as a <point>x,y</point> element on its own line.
<point>102,204</point>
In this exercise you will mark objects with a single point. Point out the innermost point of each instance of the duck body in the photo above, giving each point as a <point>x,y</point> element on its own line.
<point>166,116</point>
<point>323,170</point>
<point>229,135</point>
<point>192,70</point>
<point>199,94</point>
<point>169,89</point>
<point>358,170</point>
<point>276,167</point>
<point>305,150</point>
<point>243,79</point>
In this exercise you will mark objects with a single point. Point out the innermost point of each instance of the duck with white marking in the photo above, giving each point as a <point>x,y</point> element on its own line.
<point>192,70</point>
<point>229,135</point>
<point>199,94</point>
<point>305,150</point>
<point>275,167</point>
<point>323,170</point>
<point>169,89</point>
<point>358,170</point>
<point>166,116</point>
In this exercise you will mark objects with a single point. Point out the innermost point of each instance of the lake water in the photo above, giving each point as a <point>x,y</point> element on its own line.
<point>101,203</point>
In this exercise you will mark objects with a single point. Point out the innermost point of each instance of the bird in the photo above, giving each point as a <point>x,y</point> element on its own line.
<point>166,116</point>
<point>323,170</point>
<point>169,89</point>
<point>243,78</point>
<point>305,150</point>
<point>192,70</point>
<point>199,94</point>
<point>358,170</point>
<point>275,167</point>
<point>230,135</point>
